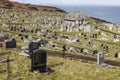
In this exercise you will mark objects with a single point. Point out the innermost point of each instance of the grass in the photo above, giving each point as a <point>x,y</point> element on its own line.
<point>64,69</point>
<point>64,43</point>
<point>55,41</point>
<point>109,31</point>
<point>109,42</point>
<point>78,54</point>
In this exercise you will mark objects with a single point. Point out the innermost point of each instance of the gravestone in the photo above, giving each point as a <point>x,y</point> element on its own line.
<point>95,52</point>
<point>61,29</point>
<point>1,39</point>
<point>44,42</point>
<point>116,40</point>
<point>100,58</point>
<point>11,44</point>
<point>30,38</point>
<point>81,50</point>
<point>38,58</point>
<point>8,44</point>
<point>26,40</point>
<point>115,36</point>
<point>33,46</point>
<point>85,51</point>
<point>116,55</point>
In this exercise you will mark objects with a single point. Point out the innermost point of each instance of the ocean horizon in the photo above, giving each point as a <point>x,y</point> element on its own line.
<point>108,13</point>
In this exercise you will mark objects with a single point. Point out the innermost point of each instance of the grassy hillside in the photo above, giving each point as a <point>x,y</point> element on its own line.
<point>75,65</point>
<point>21,6</point>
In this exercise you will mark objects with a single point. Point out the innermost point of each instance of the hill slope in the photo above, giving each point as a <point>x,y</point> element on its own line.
<point>15,5</point>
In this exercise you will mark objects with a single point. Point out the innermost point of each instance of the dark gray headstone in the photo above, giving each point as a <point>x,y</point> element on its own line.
<point>33,46</point>
<point>39,60</point>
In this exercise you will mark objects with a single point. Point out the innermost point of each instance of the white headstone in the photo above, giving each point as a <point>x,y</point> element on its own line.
<point>26,40</point>
<point>118,55</point>
<point>116,40</point>
<point>61,29</point>
<point>30,37</point>
<point>100,58</point>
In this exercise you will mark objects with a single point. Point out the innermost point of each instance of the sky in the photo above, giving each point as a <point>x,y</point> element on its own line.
<point>72,2</point>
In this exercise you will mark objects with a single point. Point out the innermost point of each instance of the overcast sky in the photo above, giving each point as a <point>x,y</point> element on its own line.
<point>72,2</point>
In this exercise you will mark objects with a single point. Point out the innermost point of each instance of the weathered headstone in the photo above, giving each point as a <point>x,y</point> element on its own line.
<point>85,51</point>
<point>11,44</point>
<point>33,46</point>
<point>95,52</point>
<point>100,58</point>
<point>116,55</point>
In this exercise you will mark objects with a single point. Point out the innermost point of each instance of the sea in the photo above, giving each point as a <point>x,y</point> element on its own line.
<point>108,13</point>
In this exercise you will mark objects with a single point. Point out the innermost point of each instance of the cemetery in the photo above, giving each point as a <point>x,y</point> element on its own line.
<point>57,46</point>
